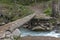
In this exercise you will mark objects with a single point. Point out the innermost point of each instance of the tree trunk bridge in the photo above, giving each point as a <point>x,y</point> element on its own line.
<point>15,24</point>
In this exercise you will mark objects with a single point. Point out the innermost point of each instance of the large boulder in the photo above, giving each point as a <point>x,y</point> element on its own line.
<point>16,33</point>
<point>8,34</point>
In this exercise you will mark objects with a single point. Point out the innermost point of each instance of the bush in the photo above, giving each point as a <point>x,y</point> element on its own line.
<point>13,13</point>
<point>23,2</point>
<point>48,11</point>
<point>17,38</point>
<point>20,12</point>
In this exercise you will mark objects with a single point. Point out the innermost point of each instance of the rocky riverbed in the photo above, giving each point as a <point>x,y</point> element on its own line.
<point>27,32</point>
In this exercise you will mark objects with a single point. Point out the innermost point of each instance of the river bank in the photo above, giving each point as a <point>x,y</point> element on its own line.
<point>39,38</point>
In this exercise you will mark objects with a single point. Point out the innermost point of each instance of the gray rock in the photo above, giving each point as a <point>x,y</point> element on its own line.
<point>7,39</point>
<point>2,35</point>
<point>8,34</point>
<point>16,32</point>
<point>38,28</point>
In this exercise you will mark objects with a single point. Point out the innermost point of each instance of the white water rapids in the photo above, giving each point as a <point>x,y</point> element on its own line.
<point>26,32</point>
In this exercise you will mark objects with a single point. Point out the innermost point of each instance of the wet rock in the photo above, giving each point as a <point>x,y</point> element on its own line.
<point>38,28</point>
<point>25,25</point>
<point>57,28</point>
<point>44,27</point>
<point>16,33</point>
<point>40,24</point>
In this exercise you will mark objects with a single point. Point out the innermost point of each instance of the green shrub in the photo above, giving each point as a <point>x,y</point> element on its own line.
<point>23,2</point>
<point>48,11</point>
<point>17,38</point>
<point>21,12</point>
<point>13,13</point>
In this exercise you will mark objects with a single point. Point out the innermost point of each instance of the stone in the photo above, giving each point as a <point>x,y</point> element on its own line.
<point>42,16</point>
<point>2,23</point>
<point>38,28</point>
<point>7,39</point>
<point>8,34</point>
<point>25,26</point>
<point>1,39</point>
<point>2,35</point>
<point>16,32</point>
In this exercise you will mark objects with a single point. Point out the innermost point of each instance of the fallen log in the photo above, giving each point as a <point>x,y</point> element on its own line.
<point>15,24</point>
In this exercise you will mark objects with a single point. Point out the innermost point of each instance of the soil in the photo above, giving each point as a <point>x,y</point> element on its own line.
<point>39,38</point>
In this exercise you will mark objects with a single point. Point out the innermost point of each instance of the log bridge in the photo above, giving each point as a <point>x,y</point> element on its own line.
<point>16,24</point>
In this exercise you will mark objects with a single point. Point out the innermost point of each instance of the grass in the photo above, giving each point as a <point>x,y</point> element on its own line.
<point>15,12</point>
<point>17,38</point>
<point>48,11</point>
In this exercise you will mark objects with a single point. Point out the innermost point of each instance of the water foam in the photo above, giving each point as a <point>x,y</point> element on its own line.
<point>26,32</point>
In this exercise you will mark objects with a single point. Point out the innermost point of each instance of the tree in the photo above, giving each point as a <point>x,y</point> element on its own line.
<point>53,8</point>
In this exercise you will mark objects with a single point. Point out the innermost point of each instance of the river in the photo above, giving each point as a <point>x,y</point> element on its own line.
<point>26,32</point>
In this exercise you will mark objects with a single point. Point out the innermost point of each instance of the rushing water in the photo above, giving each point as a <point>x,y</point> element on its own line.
<point>26,32</point>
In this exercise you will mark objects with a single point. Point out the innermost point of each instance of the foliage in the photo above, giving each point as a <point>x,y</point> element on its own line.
<point>6,1</point>
<point>17,38</point>
<point>23,2</point>
<point>13,13</point>
<point>17,9</point>
<point>48,11</point>
<point>23,11</point>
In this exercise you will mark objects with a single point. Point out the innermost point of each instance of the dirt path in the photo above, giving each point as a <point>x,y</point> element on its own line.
<point>38,9</point>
